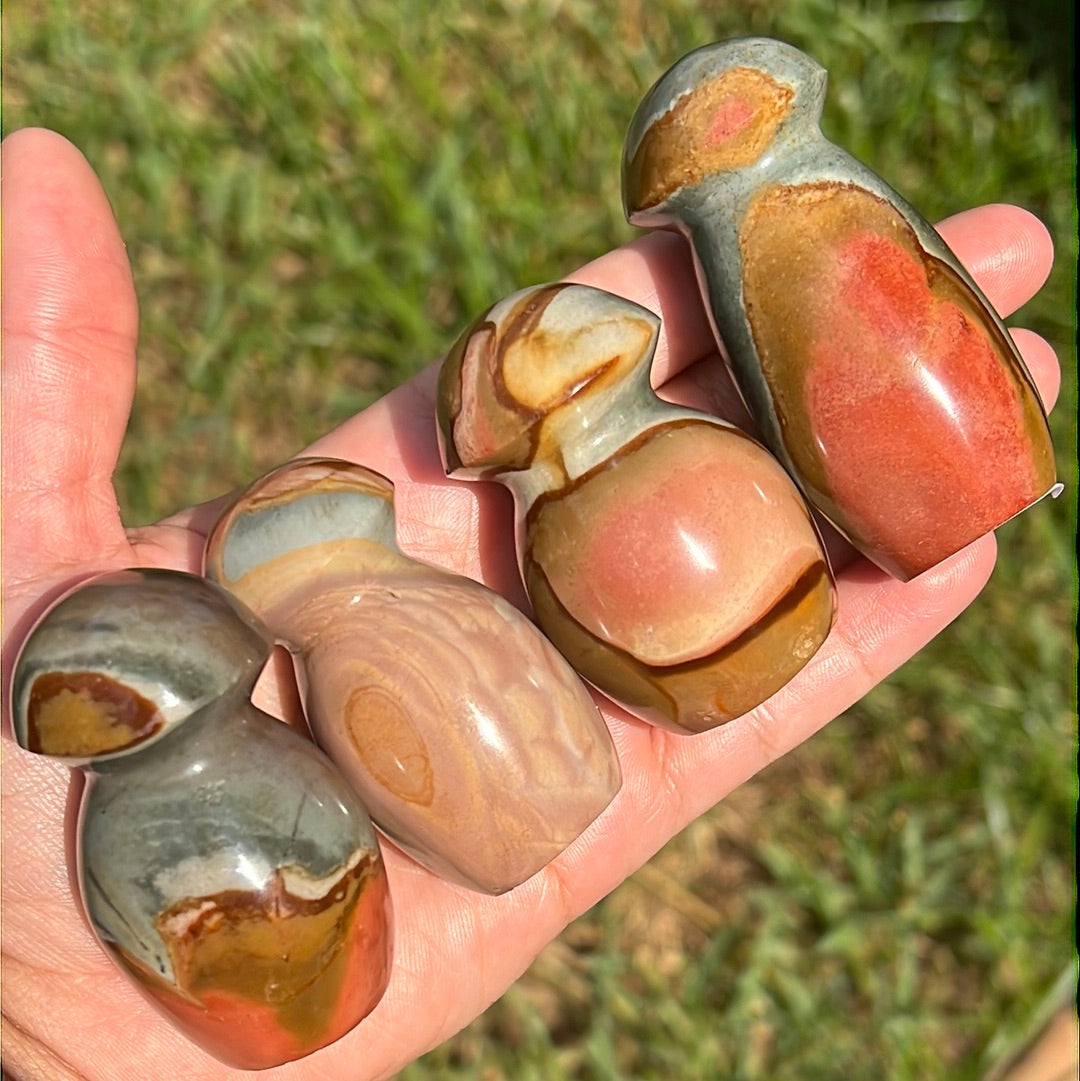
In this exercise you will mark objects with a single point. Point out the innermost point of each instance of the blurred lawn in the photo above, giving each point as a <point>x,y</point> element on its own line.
<point>317,196</point>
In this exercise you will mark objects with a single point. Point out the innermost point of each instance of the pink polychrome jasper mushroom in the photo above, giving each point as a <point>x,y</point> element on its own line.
<point>875,369</point>
<point>471,741</point>
<point>666,553</point>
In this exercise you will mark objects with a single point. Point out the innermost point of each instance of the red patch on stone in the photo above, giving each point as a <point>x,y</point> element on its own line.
<point>920,428</point>
<point>249,1034</point>
<point>731,117</point>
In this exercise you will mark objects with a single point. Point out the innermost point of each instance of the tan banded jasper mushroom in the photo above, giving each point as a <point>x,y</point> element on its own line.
<point>471,741</point>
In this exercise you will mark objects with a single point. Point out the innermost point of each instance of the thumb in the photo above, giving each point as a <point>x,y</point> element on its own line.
<point>69,330</point>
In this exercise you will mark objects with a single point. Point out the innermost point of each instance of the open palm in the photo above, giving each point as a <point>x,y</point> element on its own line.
<point>69,333</point>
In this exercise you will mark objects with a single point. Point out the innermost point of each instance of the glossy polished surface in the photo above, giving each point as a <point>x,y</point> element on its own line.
<point>224,862</point>
<point>121,661</point>
<point>470,739</point>
<point>873,365</point>
<point>667,554</point>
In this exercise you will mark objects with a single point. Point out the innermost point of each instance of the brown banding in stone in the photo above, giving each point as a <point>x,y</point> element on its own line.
<point>75,714</point>
<point>698,695</point>
<point>314,476</point>
<point>254,1033</point>
<point>270,946</point>
<point>486,426</point>
<point>389,745</point>
<point>725,123</point>
<point>482,423</point>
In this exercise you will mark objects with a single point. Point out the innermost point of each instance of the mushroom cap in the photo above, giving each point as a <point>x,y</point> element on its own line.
<point>124,658</point>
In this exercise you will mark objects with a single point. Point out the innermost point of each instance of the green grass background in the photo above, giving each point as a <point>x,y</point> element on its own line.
<point>318,196</point>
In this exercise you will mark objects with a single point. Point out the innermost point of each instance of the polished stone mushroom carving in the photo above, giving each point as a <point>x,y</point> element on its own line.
<point>224,862</point>
<point>875,369</point>
<point>471,741</point>
<point>666,553</point>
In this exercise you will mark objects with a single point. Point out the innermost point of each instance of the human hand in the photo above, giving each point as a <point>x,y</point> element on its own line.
<point>69,348</point>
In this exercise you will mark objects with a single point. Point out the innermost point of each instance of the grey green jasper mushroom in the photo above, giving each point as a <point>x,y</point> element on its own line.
<point>666,553</point>
<point>224,861</point>
<point>876,370</point>
<point>470,739</point>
